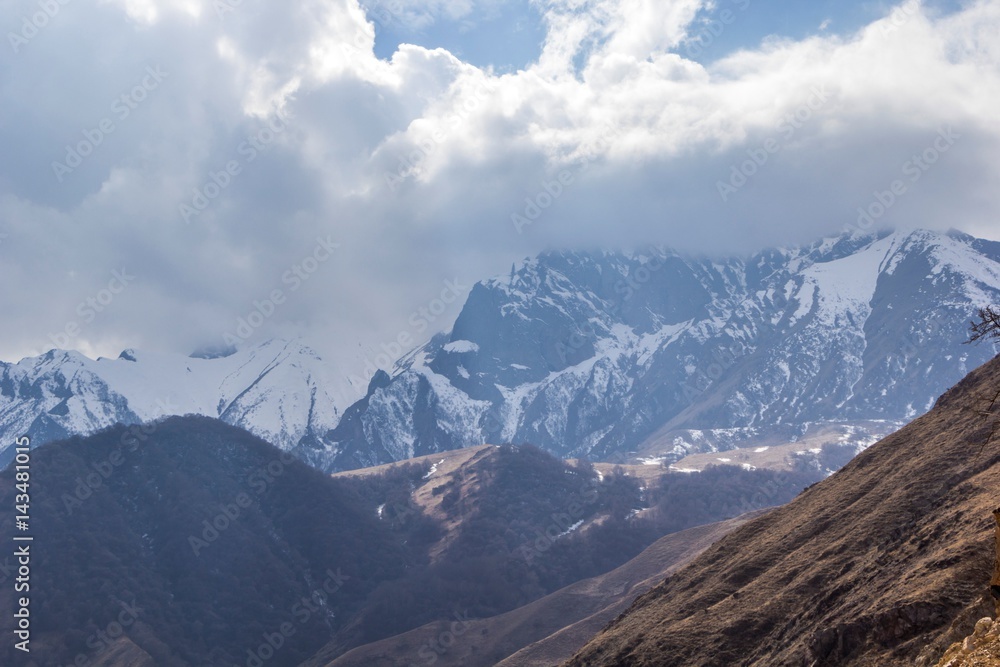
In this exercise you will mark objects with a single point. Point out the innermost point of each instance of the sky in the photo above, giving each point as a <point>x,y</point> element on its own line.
<point>347,171</point>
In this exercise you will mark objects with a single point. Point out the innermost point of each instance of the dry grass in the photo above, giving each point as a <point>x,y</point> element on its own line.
<point>550,628</point>
<point>885,562</point>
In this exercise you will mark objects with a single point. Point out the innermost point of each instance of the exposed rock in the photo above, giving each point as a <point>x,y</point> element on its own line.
<point>982,647</point>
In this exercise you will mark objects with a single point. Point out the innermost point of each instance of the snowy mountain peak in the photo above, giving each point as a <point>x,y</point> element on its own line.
<point>604,353</point>
<point>596,354</point>
<point>278,390</point>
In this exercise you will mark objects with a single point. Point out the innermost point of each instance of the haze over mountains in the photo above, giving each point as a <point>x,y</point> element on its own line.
<point>587,354</point>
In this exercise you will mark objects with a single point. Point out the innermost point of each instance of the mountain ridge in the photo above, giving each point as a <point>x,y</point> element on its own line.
<point>887,562</point>
<point>854,327</point>
<point>699,354</point>
<point>277,390</point>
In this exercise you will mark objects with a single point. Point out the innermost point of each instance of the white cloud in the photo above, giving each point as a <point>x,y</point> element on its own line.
<point>417,164</point>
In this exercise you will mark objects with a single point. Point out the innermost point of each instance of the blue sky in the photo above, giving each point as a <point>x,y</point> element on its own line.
<point>508,35</point>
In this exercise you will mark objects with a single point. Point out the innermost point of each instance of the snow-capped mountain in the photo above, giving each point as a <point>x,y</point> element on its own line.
<point>278,390</point>
<point>653,354</point>
<point>603,354</point>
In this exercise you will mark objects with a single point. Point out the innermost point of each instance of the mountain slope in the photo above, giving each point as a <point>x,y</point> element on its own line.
<point>278,390</point>
<point>531,630</point>
<point>605,354</point>
<point>211,540</point>
<point>206,538</point>
<point>884,563</point>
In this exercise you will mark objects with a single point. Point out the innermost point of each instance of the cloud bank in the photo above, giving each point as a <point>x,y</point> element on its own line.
<point>220,152</point>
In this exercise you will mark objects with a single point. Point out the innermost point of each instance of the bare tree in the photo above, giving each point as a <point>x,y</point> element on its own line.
<point>988,325</point>
<point>985,408</point>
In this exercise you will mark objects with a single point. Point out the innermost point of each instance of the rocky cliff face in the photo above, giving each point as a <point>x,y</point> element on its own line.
<point>599,354</point>
<point>995,581</point>
<point>980,649</point>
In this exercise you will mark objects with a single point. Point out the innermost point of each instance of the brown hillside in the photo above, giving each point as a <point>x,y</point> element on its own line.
<point>584,606</point>
<point>677,550</point>
<point>885,563</point>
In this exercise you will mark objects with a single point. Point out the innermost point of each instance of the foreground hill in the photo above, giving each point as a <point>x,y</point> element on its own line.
<point>208,539</point>
<point>219,540</point>
<point>516,524</point>
<point>884,563</point>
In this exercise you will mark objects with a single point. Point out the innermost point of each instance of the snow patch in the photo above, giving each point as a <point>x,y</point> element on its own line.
<point>461,346</point>
<point>434,469</point>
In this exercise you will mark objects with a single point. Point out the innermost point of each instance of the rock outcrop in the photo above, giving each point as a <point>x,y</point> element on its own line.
<point>982,647</point>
